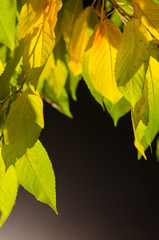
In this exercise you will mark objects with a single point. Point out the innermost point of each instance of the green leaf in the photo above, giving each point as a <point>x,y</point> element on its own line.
<point>133,52</point>
<point>72,84</point>
<point>9,71</point>
<point>36,175</point>
<point>71,11</point>
<point>8,22</point>
<point>148,12</point>
<point>145,115</point>
<point>53,79</point>
<point>22,126</point>
<point>153,100</point>
<point>8,190</point>
<point>61,103</point>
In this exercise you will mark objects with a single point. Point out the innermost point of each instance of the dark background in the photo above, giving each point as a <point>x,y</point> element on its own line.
<point>103,192</point>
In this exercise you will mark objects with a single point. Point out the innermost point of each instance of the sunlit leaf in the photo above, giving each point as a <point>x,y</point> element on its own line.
<point>133,54</point>
<point>22,126</point>
<point>116,110</point>
<point>8,22</point>
<point>83,29</point>
<point>101,63</point>
<point>8,190</point>
<point>37,24</point>
<point>145,115</point>
<point>36,175</point>
<point>148,12</point>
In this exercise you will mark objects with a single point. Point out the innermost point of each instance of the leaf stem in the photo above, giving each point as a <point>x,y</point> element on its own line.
<point>120,10</point>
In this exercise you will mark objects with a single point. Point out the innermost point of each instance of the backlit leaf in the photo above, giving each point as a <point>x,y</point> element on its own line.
<point>148,12</point>
<point>132,54</point>
<point>116,110</point>
<point>8,22</point>
<point>101,64</point>
<point>36,175</point>
<point>22,126</point>
<point>37,23</point>
<point>83,29</point>
<point>145,115</point>
<point>71,11</point>
<point>153,100</point>
<point>8,190</point>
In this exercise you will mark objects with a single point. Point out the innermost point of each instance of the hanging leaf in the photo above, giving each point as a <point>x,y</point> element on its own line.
<point>71,11</point>
<point>153,100</point>
<point>116,110</point>
<point>8,22</point>
<point>83,29</point>
<point>36,175</point>
<point>22,126</point>
<point>145,115</point>
<point>53,79</point>
<point>8,190</point>
<point>101,63</point>
<point>132,60</point>
<point>148,12</point>
<point>37,24</point>
<point>9,71</point>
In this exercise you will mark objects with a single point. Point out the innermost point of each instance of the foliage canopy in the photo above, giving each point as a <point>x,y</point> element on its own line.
<point>46,48</point>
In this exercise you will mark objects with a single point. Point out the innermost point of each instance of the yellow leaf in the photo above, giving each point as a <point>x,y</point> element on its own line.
<point>1,68</point>
<point>83,29</point>
<point>37,24</point>
<point>148,12</point>
<point>102,60</point>
<point>139,134</point>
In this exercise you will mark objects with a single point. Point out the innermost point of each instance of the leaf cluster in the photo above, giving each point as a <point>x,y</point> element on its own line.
<point>46,48</point>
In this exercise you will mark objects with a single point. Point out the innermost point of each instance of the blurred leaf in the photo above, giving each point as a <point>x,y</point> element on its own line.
<point>83,29</point>
<point>148,12</point>
<point>8,22</point>
<point>71,11</point>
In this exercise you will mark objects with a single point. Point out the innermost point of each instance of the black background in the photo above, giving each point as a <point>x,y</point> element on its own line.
<point>103,192</point>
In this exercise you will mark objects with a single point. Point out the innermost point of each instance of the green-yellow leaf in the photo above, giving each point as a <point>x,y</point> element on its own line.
<point>22,126</point>
<point>145,115</point>
<point>148,12</point>
<point>9,70</point>
<point>8,190</point>
<point>8,22</point>
<point>153,100</point>
<point>36,175</point>
<point>132,54</point>
<point>71,11</point>
<point>82,30</point>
